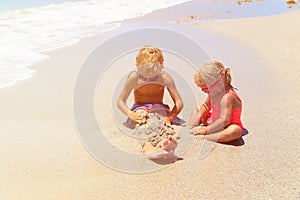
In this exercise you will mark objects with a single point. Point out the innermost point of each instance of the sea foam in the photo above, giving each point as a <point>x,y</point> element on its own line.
<point>27,33</point>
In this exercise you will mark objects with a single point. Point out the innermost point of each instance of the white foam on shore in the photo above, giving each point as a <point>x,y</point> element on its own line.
<point>26,33</point>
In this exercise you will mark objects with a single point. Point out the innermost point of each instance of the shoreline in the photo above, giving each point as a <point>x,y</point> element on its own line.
<point>174,14</point>
<point>29,32</point>
<point>45,158</point>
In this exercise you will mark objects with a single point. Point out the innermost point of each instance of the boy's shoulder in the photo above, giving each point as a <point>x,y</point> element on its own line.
<point>167,76</point>
<point>167,79</point>
<point>132,75</point>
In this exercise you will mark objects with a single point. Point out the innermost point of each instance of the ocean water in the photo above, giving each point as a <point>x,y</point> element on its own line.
<point>21,4</point>
<point>30,27</point>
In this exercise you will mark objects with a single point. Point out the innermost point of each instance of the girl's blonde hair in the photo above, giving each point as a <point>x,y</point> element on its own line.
<point>211,72</point>
<point>149,61</point>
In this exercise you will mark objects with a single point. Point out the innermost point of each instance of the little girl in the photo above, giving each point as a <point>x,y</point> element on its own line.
<point>220,114</point>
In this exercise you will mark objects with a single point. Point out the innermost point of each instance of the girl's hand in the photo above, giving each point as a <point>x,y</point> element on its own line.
<point>200,130</point>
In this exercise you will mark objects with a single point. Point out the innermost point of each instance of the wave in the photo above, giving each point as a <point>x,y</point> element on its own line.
<point>27,33</point>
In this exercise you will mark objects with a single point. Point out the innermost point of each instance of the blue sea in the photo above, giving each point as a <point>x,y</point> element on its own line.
<point>30,27</point>
<point>21,4</point>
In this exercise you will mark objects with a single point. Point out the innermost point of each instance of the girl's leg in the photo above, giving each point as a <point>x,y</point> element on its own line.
<point>232,132</point>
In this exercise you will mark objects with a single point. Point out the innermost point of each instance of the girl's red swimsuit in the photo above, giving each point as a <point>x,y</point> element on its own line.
<point>235,115</point>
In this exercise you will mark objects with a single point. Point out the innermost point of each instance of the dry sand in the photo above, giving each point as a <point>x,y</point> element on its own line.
<point>42,156</point>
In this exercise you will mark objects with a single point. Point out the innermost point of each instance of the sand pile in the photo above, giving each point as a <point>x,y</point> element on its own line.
<point>154,130</point>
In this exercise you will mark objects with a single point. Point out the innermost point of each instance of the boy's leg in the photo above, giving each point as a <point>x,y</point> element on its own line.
<point>149,148</point>
<point>167,150</point>
<point>160,109</point>
<point>129,123</point>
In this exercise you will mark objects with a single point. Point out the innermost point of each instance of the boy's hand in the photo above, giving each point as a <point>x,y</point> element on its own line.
<point>135,116</point>
<point>168,121</point>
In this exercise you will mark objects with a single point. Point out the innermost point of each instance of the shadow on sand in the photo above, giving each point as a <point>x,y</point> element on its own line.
<point>166,161</point>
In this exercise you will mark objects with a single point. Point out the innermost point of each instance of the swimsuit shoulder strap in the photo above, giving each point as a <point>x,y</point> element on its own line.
<point>234,93</point>
<point>147,79</point>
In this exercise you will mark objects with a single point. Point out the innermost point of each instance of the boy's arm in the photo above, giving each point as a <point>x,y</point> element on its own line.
<point>128,87</point>
<point>178,103</point>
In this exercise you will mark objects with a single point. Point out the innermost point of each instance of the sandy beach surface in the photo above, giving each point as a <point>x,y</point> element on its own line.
<point>43,157</point>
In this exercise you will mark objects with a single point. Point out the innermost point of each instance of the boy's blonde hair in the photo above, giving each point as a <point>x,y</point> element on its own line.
<point>211,72</point>
<point>149,61</point>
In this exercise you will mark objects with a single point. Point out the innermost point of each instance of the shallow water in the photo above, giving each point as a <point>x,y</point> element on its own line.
<point>17,4</point>
<point>30,28</point>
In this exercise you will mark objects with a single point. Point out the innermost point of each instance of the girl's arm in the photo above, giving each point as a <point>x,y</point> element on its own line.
<point>226,106</point>
<point>204,109</point>
<point>198,113</point>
